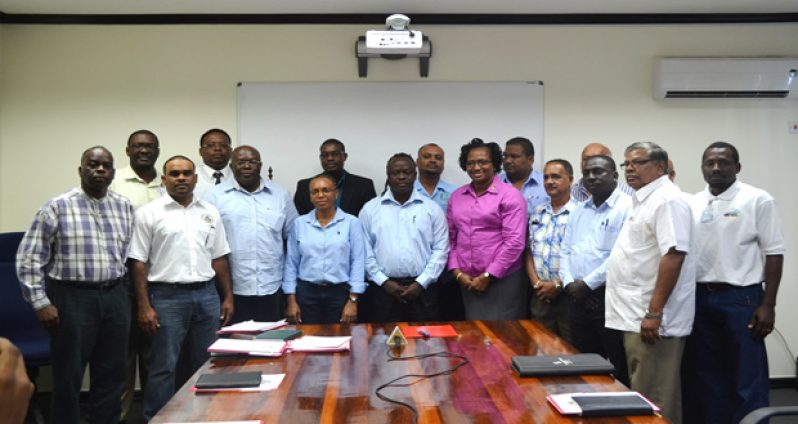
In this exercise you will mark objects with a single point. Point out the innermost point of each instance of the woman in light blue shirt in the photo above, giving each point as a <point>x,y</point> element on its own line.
<point>325,263</point>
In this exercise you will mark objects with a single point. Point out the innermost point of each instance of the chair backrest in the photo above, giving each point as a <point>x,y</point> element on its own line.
<point>17,319</point>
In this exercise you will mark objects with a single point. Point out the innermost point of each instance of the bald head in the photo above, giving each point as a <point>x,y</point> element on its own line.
<point>594,149</point>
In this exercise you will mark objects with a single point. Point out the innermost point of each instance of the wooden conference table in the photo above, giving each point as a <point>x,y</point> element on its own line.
<point>339,387</point>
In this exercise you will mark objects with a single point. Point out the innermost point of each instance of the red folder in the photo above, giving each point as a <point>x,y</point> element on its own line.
<point>416,331</point>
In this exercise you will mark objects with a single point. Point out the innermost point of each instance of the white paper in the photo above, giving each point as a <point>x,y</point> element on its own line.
<point>251,347</point>
<point>251,327</point>
<point>320,344</point>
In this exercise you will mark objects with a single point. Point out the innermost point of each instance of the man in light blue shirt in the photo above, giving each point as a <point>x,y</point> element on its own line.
<point>407,244</point>
<point>430,162</point>
<point>591,233</point>
<point>257,215</point>
<point>519,155</point>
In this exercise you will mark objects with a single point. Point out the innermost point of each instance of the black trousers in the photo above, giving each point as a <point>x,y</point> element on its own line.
<point>267,308</point>
<point>321,304</point>
<point>385,308</point>
<point>591,336</point>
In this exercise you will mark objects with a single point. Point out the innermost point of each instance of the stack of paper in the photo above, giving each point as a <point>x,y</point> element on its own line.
<point>319,344</point>
<point>252,327</point>
<point>268,382</point>
<point>249,347</point>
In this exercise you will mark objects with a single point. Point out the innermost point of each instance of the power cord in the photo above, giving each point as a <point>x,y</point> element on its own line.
<point>420,377</point>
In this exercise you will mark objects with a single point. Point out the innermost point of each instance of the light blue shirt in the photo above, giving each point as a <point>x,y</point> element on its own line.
<point>589,237</point>
<point>533,191</point>
<point>332,254</point>
<point>256,224</point>
<point>404,241</point>
<point>443,190</point>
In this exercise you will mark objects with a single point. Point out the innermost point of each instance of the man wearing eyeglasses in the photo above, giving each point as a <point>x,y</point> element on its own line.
<point>138,182</point>
<point>650,293</point>
<point>353,190</point>
<point>215,148</point>
<point>739,246</point>
<point>257,215</point>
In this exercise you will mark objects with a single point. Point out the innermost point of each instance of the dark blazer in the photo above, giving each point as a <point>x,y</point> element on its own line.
<point>355,192</point>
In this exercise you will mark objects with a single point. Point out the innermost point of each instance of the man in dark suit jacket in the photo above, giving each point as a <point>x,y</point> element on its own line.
<point>354,190</point>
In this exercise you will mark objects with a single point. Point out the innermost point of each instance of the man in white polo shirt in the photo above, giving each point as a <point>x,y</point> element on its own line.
<point>650,293</point>
<point>178,251</point>
<point>739,245</point>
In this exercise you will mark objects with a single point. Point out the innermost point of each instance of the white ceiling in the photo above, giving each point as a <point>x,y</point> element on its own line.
<point>393,6</point>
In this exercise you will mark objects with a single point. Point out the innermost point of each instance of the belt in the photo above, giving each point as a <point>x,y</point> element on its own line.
<point>714,286</point>
<point>186,286</point>
<point>322,283</point>
<point>91,285</point>
<point>403,280</point>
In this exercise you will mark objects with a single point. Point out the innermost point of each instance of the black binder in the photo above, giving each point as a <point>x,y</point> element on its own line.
<point>578,364</point>
<point>284,335</point>
<point>597,406</point>
<point>235,380</point>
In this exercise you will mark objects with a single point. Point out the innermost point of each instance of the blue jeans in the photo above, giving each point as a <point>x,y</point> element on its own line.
<point>730,373</point>
<point>93,329</point>
<point>190,315</point>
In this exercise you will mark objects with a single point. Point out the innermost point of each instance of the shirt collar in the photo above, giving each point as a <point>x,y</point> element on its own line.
<point>610,202</point>
<point>533,179</point>
<point>339,216</point>
<point>263,186</point>
<point>129,174</point>
<point>642,194</point>
<point>420,188</point>
<point>492,189</point>
<point>387,197</point>
<point>566,208</point>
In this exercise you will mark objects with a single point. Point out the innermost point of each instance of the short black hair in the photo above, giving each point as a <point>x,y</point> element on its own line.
<point>526,145</point>
<point>333,141</point>
<point>400,156</point>
<point>609,159</point>
<point>86,152</point>
<point>565,164</point>
<point>724,145</point>
<point>325,176</point>
<point>176,157</point>
<point>145,132</point>
<point>493,148</point>
<point>216,130</point>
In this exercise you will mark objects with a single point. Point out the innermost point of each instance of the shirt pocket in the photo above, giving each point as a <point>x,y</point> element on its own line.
<point>271,221</point>
<point>607,235</point>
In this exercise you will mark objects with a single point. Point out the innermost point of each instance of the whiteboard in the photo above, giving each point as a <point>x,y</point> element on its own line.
<point>287,122</point>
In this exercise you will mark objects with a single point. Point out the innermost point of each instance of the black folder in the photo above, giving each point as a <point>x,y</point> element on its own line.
<point>284,335</point>
<point>578,364</point>
<point>234,380</point>
<point>597,406</point>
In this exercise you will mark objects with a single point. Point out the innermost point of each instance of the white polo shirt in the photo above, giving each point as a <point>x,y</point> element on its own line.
<point>734,231</point>
<point>178,243</point>
<point>660,219</point>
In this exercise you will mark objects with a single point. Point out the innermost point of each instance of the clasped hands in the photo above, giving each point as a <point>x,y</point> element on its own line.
<point>403,294</point>
<point>477,284</point>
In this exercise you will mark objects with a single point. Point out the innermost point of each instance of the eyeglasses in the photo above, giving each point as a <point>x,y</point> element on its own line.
<point>635,163</point>
<point>244,162</point>
<point>480,163</point>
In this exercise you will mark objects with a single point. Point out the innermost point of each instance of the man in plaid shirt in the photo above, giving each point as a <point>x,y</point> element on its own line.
<point>71,263</point>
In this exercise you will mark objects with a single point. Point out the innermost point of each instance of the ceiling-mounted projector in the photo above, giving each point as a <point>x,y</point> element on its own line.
<point>397,38</point>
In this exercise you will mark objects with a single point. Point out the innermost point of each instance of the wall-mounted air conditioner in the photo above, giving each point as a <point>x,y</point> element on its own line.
<point>726,77</point>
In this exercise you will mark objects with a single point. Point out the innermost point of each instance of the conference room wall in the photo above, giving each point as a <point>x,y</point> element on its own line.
<point>67,87</point>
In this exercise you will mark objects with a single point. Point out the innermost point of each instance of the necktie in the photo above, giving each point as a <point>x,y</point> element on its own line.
<point>218,175</point>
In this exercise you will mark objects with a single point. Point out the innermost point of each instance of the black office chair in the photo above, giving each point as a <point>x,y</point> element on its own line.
<point>762,414</point>
<point>18,321</point>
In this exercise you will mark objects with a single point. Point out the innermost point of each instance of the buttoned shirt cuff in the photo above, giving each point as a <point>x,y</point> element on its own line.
<point>289,287</point>
<point>380,278</point>
<point>497,271</point>
<point>425,280</point>
<point>40,303</point>
<point>592,283</point>
<point>357,287</point>
<point>453,262</point>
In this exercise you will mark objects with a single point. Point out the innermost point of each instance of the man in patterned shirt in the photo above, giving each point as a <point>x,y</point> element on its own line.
<point>546,229</point>
<point>71,263</point>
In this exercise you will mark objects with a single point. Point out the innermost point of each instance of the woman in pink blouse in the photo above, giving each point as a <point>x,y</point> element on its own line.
<point>487,230</point>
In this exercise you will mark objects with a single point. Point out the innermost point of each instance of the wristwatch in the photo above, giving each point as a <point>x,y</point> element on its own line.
<point>353,299</point>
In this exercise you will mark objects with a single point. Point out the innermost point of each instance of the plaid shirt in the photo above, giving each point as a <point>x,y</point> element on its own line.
<point>74,237</point>
<point>546,231</point>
